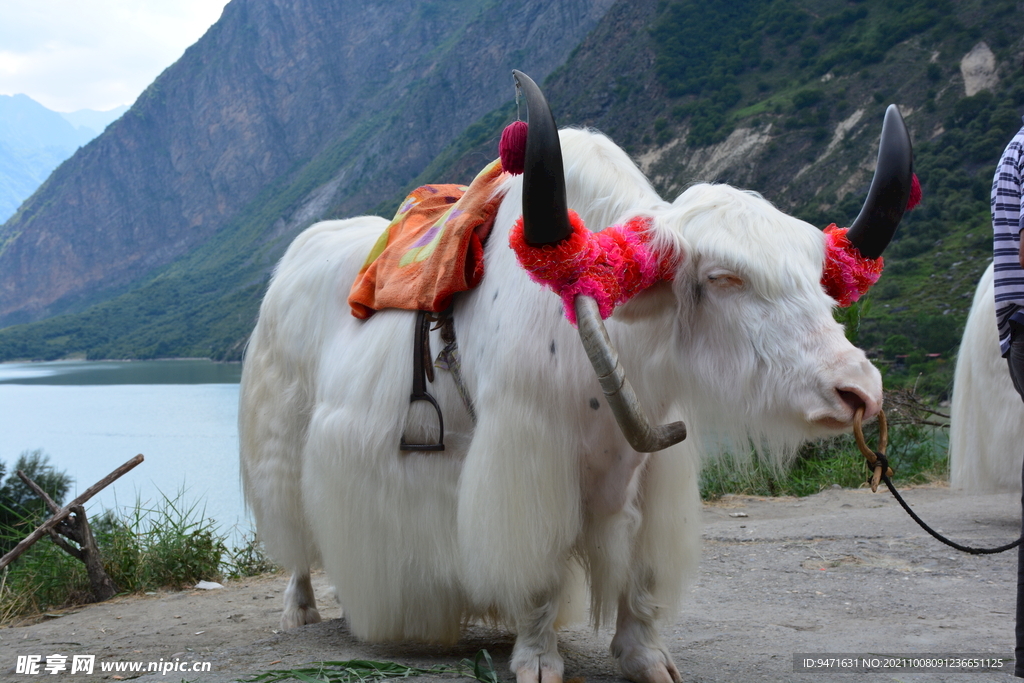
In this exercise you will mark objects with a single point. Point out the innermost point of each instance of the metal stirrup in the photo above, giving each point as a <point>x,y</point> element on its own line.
<point>423,369</point>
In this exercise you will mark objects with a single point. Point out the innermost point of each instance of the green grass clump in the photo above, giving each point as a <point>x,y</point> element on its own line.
<point>166,545</point>
<point>917,454</point>
<point>42,578</point>
<point>249,559</point>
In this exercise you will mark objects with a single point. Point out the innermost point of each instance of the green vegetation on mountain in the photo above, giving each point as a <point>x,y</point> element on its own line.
<point>806,70</point>
<point>704,49</point>
<point>784,97</point>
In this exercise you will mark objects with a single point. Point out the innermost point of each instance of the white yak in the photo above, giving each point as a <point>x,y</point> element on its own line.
<point>543,492</point>
<point>986,428</point>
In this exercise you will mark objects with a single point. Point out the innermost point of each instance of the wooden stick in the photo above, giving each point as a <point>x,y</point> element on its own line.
<point>54,508</point>
<point>57,518</point>
<point>71,550</point>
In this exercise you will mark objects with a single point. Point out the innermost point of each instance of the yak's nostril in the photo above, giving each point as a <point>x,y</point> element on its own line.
<point>855,398</point>
<point>852,399</point>
<point>840,415</point>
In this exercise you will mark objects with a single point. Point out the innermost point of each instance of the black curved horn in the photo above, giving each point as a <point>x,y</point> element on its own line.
<point>545,210</point>
<point>890,189</point>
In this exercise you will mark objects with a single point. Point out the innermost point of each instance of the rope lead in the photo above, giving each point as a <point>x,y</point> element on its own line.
<point>881,472</point>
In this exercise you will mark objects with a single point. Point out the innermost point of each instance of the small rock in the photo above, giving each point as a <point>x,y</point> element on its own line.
<point>208,585</point>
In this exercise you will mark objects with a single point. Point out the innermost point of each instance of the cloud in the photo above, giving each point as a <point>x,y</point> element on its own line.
<point>95,54</point>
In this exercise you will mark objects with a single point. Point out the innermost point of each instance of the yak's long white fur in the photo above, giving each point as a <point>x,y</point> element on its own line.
<point>742,339</point>
<point>986,430</point>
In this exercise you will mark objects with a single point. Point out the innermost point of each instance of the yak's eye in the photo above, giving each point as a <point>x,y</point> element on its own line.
<point>725,279</point>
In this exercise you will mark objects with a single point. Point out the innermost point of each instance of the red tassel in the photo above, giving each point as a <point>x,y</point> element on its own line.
<point>512,148</point>
<point>915,193</point>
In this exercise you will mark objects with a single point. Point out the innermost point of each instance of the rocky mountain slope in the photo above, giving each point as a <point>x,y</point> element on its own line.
<point>334,103</point>
<point>781,96</point>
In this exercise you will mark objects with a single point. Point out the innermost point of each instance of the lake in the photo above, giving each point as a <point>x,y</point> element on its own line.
<point>90,417</point>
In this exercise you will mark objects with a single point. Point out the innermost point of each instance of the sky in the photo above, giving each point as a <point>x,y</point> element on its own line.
<point>94,54</point>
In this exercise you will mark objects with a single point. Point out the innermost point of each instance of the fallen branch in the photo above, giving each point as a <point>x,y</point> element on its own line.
<point>62,514</point>
<point>54,509</point>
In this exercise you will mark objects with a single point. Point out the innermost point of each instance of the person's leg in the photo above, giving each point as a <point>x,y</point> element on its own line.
<point>1016,362</point>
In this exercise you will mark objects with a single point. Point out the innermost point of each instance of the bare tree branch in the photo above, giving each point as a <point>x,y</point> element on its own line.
<point>62,514</point>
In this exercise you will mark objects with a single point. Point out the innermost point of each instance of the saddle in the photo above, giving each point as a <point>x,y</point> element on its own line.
<point>432,249</point>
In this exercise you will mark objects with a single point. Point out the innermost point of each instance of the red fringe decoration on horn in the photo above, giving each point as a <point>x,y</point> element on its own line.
<point>512,148</point>
<point>612,266</point>
<point>915,193</point>
<point>847,275</point>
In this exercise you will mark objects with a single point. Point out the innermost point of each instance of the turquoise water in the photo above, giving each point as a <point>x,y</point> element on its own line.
<point>91,417</point>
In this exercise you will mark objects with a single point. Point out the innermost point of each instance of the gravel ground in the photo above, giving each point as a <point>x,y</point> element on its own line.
<point>843,571</point>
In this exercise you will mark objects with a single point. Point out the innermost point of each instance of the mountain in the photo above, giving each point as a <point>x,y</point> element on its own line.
<point>156,239</point>
<point>33,142</point>
<point>284,109</point>
<point>92,120</point>
<point>787,98</point>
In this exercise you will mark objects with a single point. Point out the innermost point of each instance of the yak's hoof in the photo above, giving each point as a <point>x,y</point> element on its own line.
<point>648,665</point>
<point>537,670</point>
<point>300,616</point>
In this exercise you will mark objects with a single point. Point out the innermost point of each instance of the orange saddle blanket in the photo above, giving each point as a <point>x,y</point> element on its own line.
<point>432,249</point>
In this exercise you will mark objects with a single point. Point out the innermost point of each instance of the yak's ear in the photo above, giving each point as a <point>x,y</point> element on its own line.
<point>660,296</point>
<point>654,300</point>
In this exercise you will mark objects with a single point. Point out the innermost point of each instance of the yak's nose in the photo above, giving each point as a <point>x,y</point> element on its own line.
<point>856,398</point>
<point>851,384</point>
<point>847,401</point>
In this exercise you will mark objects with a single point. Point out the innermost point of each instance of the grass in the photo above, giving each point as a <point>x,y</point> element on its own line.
<point>917,453</point>
<point>144,547</point>
<point>367,671</point>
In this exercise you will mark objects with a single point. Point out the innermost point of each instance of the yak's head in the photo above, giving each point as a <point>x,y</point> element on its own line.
<point>755,325</point>
<point>754,320</point>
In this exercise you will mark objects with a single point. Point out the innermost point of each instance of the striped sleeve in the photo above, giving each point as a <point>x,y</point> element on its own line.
<point>1007,222</point>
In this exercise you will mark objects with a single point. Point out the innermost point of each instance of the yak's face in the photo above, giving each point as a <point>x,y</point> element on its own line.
<point>755,325</point>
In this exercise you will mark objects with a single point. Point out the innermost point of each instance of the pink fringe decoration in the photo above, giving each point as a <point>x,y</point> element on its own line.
<point>847,274</point>
<point>612,266</point>
<point>616,264</point>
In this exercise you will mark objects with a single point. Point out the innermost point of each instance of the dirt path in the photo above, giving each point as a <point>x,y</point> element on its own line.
<point>839,572</point>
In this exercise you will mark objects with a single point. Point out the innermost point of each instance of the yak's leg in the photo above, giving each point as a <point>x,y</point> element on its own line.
<point>535,657</point>
<point>637,647</point>
<point>299,602</point>
<point>665,557</point>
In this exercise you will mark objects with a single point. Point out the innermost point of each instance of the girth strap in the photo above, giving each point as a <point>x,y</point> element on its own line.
<point>448,359</point>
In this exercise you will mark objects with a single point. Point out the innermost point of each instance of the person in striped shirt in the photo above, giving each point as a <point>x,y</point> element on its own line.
<point>1007,223</point>
<point>1008,254</point>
